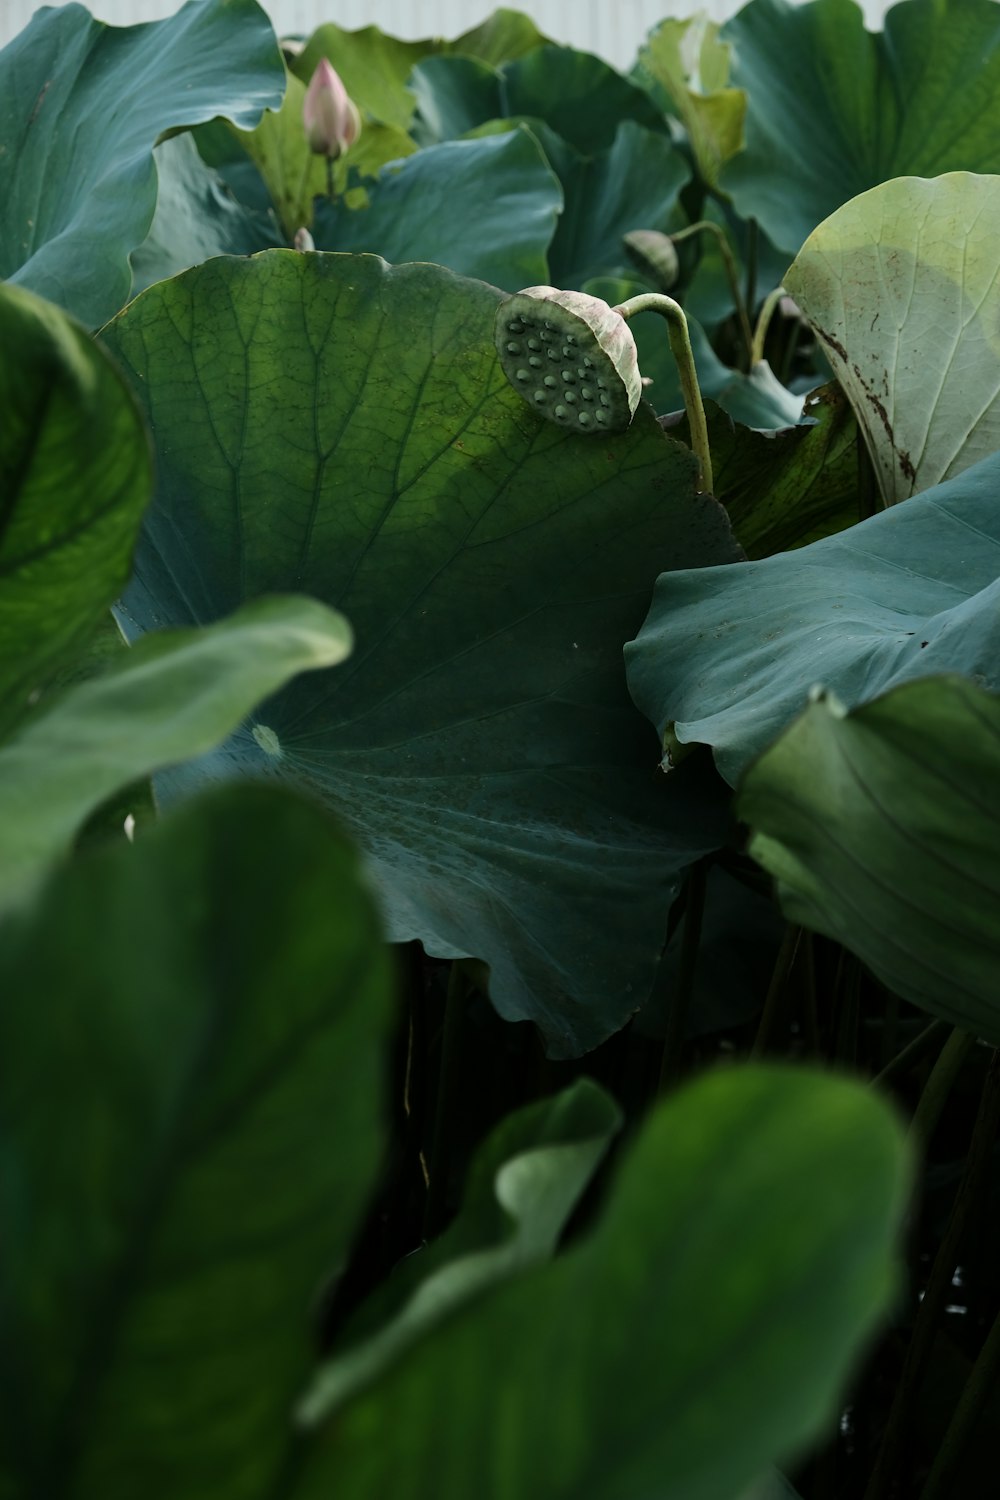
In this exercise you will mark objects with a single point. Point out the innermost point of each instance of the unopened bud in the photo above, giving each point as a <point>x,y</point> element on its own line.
<point>654,255</point>
<point>330,116</point>
<point>304,240</point>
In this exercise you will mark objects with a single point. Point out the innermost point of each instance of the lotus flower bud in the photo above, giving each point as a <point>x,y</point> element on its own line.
<point>571,356</point>
<point>654,255</point>
<point>304,240</point>
<point>330,117</point>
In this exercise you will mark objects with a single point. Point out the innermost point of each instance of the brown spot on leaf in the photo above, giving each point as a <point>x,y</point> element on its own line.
<point>833,343</point>
<point>40,100</point>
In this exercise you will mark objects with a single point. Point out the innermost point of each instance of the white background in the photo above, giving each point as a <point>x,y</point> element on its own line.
<point>612,28</point>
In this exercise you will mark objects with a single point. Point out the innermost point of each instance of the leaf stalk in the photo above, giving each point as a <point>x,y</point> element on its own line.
<point>680,346</point>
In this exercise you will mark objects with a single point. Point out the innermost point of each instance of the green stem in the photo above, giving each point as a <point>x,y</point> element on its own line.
<point>939,1085</point>
<point>330,192</point>
<point>705,226</point>
<point>847,1009</point>
<point>448,1082</point>
<point>925,1323</point>
<point>763,324</point>
<point>869,491</point>
<point>900,1065</point>
<point>774,1003</point>
<point>977,1390</point>
<point>680,345</point>
<point>752,246</point>
<point>810,1005</point>
<point>680,1000</point>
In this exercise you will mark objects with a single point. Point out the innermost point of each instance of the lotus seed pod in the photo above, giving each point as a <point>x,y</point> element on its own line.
<point>592,353</point>
<point>654,255</point>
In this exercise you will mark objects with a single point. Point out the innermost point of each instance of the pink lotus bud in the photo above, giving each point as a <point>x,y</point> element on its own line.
<point>330,117</point>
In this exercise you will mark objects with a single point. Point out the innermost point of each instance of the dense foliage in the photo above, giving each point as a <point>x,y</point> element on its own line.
<point>499,943</point>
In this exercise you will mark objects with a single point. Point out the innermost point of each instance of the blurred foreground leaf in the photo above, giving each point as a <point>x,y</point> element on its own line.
<point>705,1328</point>
<point>190,1048</point>
<point>523,1185</point>
<point>174,695</point>
<point>75,478</point>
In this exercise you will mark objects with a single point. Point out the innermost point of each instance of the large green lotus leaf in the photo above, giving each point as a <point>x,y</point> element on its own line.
<point>196,217</point>
<point>728,656</point>
<point>633,184</point>
<point>173,696</point>
<point>704,1328</point>
<point>503,36</point>
<point>510,204</point>
<point>335,423</point>
<point>523,1186</point>
<point>688,68</point>
<point>902,286</point>
<point>882,830</point>
<point>453,95</point>
<point>191,1037</point>
<point>82,105</point>
<point>833,109</point>
<point>583,99</point>
<point>75,478</point>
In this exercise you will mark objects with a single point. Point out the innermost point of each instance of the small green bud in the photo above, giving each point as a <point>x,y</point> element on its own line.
<point>654,254</point>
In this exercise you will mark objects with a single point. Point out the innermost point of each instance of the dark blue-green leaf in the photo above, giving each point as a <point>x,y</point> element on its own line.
<point>727,657</point>
<point>333,424</point>
<point>82,105</point>
<point>509,198</point>
<point>833,109</point>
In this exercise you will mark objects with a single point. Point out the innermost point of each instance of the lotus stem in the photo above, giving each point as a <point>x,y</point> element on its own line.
<point>706,226</point>
<point>763,324</point>
<point>900,1065</point>
<point>753,246</point>
<point>680,1000</point>
<point>680,344</point>
<point>939,1085</point>
<point>978,1389</point>
<point>925,1323</point>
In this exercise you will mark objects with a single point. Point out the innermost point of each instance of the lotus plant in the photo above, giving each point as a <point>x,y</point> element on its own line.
<point>574,359</point>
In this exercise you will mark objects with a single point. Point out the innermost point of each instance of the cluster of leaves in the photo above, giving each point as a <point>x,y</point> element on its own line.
<point>389,789</point>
